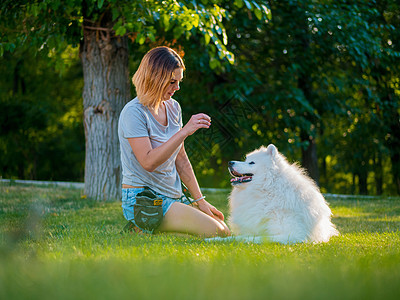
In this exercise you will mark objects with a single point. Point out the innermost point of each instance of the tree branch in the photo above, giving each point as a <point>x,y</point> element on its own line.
<point>97,28</point>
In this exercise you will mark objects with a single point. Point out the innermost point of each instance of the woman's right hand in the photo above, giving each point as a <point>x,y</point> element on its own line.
<point>196,122</point>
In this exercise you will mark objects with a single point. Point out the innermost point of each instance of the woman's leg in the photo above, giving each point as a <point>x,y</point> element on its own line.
<point>186,219</point>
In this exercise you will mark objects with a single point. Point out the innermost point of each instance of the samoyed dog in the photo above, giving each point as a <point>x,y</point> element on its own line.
<point>274,200</point>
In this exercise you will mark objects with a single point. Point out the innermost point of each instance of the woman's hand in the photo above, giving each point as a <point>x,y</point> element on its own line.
<point>210,210</point>
<point>196,122</point>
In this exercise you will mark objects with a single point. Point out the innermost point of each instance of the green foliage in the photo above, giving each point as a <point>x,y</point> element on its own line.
<point>319,69</point>
<point>55,245</point>
<point>184,18</point>
<point>328,70</point>
<point>41,136</point>
<point>53,25</point>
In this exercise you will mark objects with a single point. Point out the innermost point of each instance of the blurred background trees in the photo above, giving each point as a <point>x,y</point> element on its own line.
<point>41,134</point>
<point>103,30</point>
<point>320,79</point>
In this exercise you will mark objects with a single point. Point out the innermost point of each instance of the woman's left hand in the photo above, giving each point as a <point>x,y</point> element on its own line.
<point>210,210</point>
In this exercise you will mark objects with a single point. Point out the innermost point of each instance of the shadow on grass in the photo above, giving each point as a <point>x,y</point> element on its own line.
<point>363,224</point>
<point>366,215</point>
<point>28,211</point>
<point>21,199</point>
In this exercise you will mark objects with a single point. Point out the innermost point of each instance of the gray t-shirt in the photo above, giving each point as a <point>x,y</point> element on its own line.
<point>136,120</point>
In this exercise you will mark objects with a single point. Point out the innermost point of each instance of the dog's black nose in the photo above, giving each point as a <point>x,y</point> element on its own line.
<point>231,163</point>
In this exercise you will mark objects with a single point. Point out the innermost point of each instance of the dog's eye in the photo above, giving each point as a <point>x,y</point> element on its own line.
<point>251,163</point>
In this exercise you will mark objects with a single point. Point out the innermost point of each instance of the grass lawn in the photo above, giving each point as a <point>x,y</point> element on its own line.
<point>54,244</point>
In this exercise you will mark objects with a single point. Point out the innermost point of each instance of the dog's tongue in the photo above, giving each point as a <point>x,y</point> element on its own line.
<point>237,180</point>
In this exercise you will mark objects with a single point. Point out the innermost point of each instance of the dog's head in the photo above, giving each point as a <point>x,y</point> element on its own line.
<point>256,166</point>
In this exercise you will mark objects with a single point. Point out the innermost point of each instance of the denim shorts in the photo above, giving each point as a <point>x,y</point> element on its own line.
<point>129,199</point>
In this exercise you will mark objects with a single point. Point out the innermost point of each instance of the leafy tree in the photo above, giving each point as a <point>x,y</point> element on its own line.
<point>103,29</point>
<point>371,62</point>
<point>312,57</point>
<point>41,136</point>
<point>308,71</point>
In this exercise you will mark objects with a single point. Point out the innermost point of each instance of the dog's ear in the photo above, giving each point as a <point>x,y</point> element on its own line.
<point>271,150</point>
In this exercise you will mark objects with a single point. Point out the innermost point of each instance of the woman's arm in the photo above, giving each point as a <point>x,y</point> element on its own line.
<point>186,173</point>
<point>150,158</point>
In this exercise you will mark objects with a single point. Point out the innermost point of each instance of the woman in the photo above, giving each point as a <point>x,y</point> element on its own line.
<point>153,154</point>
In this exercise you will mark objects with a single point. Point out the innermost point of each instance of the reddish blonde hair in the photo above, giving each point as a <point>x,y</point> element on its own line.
<point>154,74</point>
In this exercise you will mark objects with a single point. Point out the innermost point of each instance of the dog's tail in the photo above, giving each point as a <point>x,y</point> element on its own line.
<point>323,231</point>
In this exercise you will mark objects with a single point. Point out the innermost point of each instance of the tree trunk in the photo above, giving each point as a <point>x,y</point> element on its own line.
<point>106,90</point>
<point>378,173</point>
<point>353,184</point>
<point>362,182</point>
<point>310,158</point>
<point>393,144</point>
<point>395,159</point>
<point>309,154</point>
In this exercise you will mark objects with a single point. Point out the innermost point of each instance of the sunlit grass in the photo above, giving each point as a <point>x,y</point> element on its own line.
<point>56,245</point>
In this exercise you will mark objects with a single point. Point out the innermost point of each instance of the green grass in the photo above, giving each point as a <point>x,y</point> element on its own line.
<point>54,244</point>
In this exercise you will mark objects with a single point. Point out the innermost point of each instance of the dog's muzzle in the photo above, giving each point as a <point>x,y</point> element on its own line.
<point>238,178</point>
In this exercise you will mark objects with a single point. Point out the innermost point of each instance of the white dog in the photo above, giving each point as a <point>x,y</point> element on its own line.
<point>275,200</point>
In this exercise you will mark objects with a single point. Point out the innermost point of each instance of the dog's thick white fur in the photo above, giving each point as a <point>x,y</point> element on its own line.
<point>279,204</point>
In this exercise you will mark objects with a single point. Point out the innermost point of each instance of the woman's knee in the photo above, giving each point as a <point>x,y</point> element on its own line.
<point>186,219</point>
<point>221,229</point>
